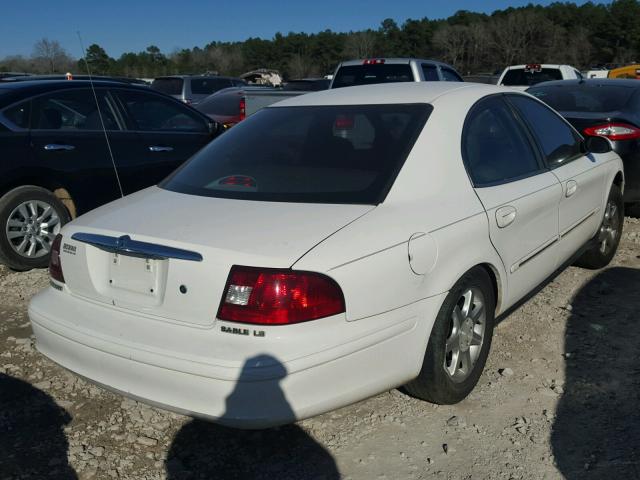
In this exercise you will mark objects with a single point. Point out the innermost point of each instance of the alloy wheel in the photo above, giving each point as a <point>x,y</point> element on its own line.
<point>609,228</point>
<point>32,227</point>
<point>466,334</point>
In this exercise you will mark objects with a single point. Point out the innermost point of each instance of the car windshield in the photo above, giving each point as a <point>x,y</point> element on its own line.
<point>170,86</point>
<point>351,75</point>
<point>311,154</point>
<point>520,76</point>
<point>582,97</point>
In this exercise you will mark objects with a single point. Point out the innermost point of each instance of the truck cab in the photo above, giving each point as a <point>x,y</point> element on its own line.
<point>390,70</point>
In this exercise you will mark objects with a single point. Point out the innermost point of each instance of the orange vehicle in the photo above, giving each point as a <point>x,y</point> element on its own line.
<point>630,71</point>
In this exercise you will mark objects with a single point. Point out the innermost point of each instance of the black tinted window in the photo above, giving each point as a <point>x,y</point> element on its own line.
<point>73,110</point>
<point>170,86</point>
<point>584,97</point>
<point>558,140</point>
<point>349,76</point>
<point>334,154</point>
<point>207,86</point>
<point>495,147</point>
<point>531,77</point>
<point>450,76</point>
<point>430,72</point>
<point>222,103</point>
<point>18,115</point>
<point>151,112</point>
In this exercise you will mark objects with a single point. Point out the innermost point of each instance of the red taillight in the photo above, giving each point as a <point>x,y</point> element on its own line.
<point>373,61</point>
<point>243,108</point>
<point>55,267</point>
<point>267,296</point>
<point>614,131</point>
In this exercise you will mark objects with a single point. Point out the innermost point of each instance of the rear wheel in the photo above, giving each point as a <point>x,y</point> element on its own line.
<point>459,343</point>
<point>30,218</point>
<point>608,237</point>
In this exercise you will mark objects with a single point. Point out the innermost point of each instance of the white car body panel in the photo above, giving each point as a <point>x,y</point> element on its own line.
<point>395,263</point>
<point>528,246</point>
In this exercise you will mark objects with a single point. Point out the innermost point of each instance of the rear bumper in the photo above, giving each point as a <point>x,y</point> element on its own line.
<point>260,392</point>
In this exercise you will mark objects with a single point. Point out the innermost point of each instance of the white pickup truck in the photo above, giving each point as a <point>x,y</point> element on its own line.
<point>521,77</point>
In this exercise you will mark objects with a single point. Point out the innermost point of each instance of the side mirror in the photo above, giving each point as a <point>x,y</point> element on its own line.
<point>597,145</point>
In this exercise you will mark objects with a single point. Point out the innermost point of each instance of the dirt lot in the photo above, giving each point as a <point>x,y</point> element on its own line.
<point>559,398</point>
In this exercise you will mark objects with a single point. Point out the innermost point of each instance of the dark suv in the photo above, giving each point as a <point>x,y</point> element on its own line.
<point>55,162</point>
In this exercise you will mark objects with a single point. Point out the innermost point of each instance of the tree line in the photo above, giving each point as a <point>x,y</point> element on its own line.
<point>580,35</point>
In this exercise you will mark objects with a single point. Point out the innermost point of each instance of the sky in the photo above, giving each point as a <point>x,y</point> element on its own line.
<point>131,25</point>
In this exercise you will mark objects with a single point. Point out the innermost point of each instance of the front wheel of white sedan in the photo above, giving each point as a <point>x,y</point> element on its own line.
<point>460,341</point>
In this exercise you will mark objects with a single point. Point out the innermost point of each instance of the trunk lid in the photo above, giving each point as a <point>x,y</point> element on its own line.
<point>223,232</point>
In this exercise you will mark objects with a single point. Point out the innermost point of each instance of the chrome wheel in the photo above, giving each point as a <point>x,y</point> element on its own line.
<point>466,334</point>
<point>32,227</point>
<point>609,228</point>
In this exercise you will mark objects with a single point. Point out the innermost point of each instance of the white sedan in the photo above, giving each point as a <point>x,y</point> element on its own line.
<point>329,248</point>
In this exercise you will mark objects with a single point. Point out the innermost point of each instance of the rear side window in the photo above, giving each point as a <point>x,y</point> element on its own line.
<point>314,154</point>
<point>170,86</point>
<point>450,76</point>
<point>207,86</point>
<point>430,72</point>
<point>349,76</point>
<point>559,142</point>
<point>495,147</point>
<point>152,113</point>
<point>18,115</point>
<point>530,77</point>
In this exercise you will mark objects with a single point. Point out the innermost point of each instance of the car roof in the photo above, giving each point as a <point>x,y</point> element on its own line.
<point>197,76</point>
<point>394,60</point>
<point>542,65</point>
<point>591,82</point>
<point>390,93</point>
<point>15,91</point>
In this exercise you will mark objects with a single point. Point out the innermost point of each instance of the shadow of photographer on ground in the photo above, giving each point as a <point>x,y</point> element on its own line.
<point>596,433</point>
<point>32,439</point>
<point>210,451</point>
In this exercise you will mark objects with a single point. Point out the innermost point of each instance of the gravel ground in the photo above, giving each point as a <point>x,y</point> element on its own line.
<point>559,399</point>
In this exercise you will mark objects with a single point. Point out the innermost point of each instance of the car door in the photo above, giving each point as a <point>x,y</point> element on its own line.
<point>581,175</point>
<point>167,133</point>
<point>14,145</point>
<point>69,146</point>
<point>518,193</point>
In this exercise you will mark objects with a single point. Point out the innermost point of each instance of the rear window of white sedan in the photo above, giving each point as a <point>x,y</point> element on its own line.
<point>315,154</point>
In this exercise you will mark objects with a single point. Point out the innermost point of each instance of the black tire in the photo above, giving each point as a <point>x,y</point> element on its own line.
<point>597,255</point>
<point>8,203</point>
<point>434,383</point>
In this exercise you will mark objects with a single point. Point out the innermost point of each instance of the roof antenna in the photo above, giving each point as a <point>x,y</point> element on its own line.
<point>95,97</point>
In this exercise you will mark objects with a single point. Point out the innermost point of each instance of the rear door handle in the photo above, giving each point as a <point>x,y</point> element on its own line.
<point>572,187</point>
<point>57,146</point>
<point>505,216</point>
<point>157,148</point>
